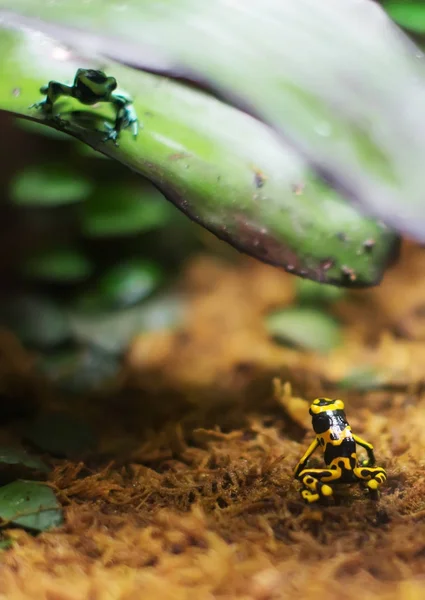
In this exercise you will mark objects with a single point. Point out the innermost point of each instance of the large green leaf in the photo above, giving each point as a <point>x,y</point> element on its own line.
<point>223,168</point>
<point>335,78</point>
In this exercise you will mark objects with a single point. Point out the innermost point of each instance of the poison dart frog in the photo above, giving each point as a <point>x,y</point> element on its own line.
<point>90,87</point>
<point>338,443</point>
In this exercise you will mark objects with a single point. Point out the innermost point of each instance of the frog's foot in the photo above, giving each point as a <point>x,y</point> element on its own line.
<point>313,489</point>
<point>372,477</point>
<point>112,134</point>
<point>62,123</point>
<point>127,119</point>
<point>134,125</point>
<point>323,493</point>
<point>309,497</point>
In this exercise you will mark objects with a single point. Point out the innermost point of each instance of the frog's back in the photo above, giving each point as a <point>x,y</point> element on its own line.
<point>335,437</point>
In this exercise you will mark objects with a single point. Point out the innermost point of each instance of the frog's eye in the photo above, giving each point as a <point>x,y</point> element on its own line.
<point>111,83</point>
<point>339,405</point>
<point>315,409</point>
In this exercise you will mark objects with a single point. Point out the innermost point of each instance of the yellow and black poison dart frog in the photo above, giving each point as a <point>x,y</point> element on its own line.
<point>90,87</point>
<point>338,443</point>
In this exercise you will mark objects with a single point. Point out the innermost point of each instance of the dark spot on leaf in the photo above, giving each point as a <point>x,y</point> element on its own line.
<point>419,311</point>
<point>327,264</point>
<point>259,179</point>
<point>368,245</point>
<point>349,273</point>
<point>298,188</point>
<point>179,155</point>
<point>244,367</point>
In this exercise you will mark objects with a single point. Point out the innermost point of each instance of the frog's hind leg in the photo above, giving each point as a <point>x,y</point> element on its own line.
<point>315,483</point>
<point>125,117</point>
<point>373,477</point>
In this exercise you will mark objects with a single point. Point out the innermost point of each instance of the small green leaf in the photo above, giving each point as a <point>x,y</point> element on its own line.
<point>49,185</point>
<point>409,14</point>
<point>15,463</point>
<point>31,505</point>
<point>362,378</point>
<point>80,371</point>
<point>39,129</point>
<point>311,292</point>
<point>61,434</point>
<point>305,328</point>
<point>61,265</point>
<point>121,210</point>
<point>128,283</point>
<point>35,320</point>
<point>113,330</point>
<point>18,456</point>
<point>6,544</point>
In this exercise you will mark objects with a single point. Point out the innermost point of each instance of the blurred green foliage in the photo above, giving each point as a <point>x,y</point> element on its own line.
<point>112,243</point>
<point>49,185</point>
<point>409,14</point>
<point>100,270</point>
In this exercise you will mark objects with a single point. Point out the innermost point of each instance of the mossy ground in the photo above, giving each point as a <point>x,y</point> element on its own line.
<point>190,493</point>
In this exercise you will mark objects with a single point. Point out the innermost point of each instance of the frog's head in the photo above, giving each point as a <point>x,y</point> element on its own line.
<point>325,412</point>
<point>321,405</point>
<point>99,84</point>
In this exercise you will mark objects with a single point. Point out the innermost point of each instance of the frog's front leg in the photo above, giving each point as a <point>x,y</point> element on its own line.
<point>370,461</point>
<point>53,91</point>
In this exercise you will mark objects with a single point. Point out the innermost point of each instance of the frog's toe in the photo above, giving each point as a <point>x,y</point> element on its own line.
<point>112,134</point>
<point>134,128</point>
<point>59,121</point>
<point>309,497</point>
<point>41,104</point>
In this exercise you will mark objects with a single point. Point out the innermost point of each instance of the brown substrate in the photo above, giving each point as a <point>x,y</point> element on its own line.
<point>190,494</point>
